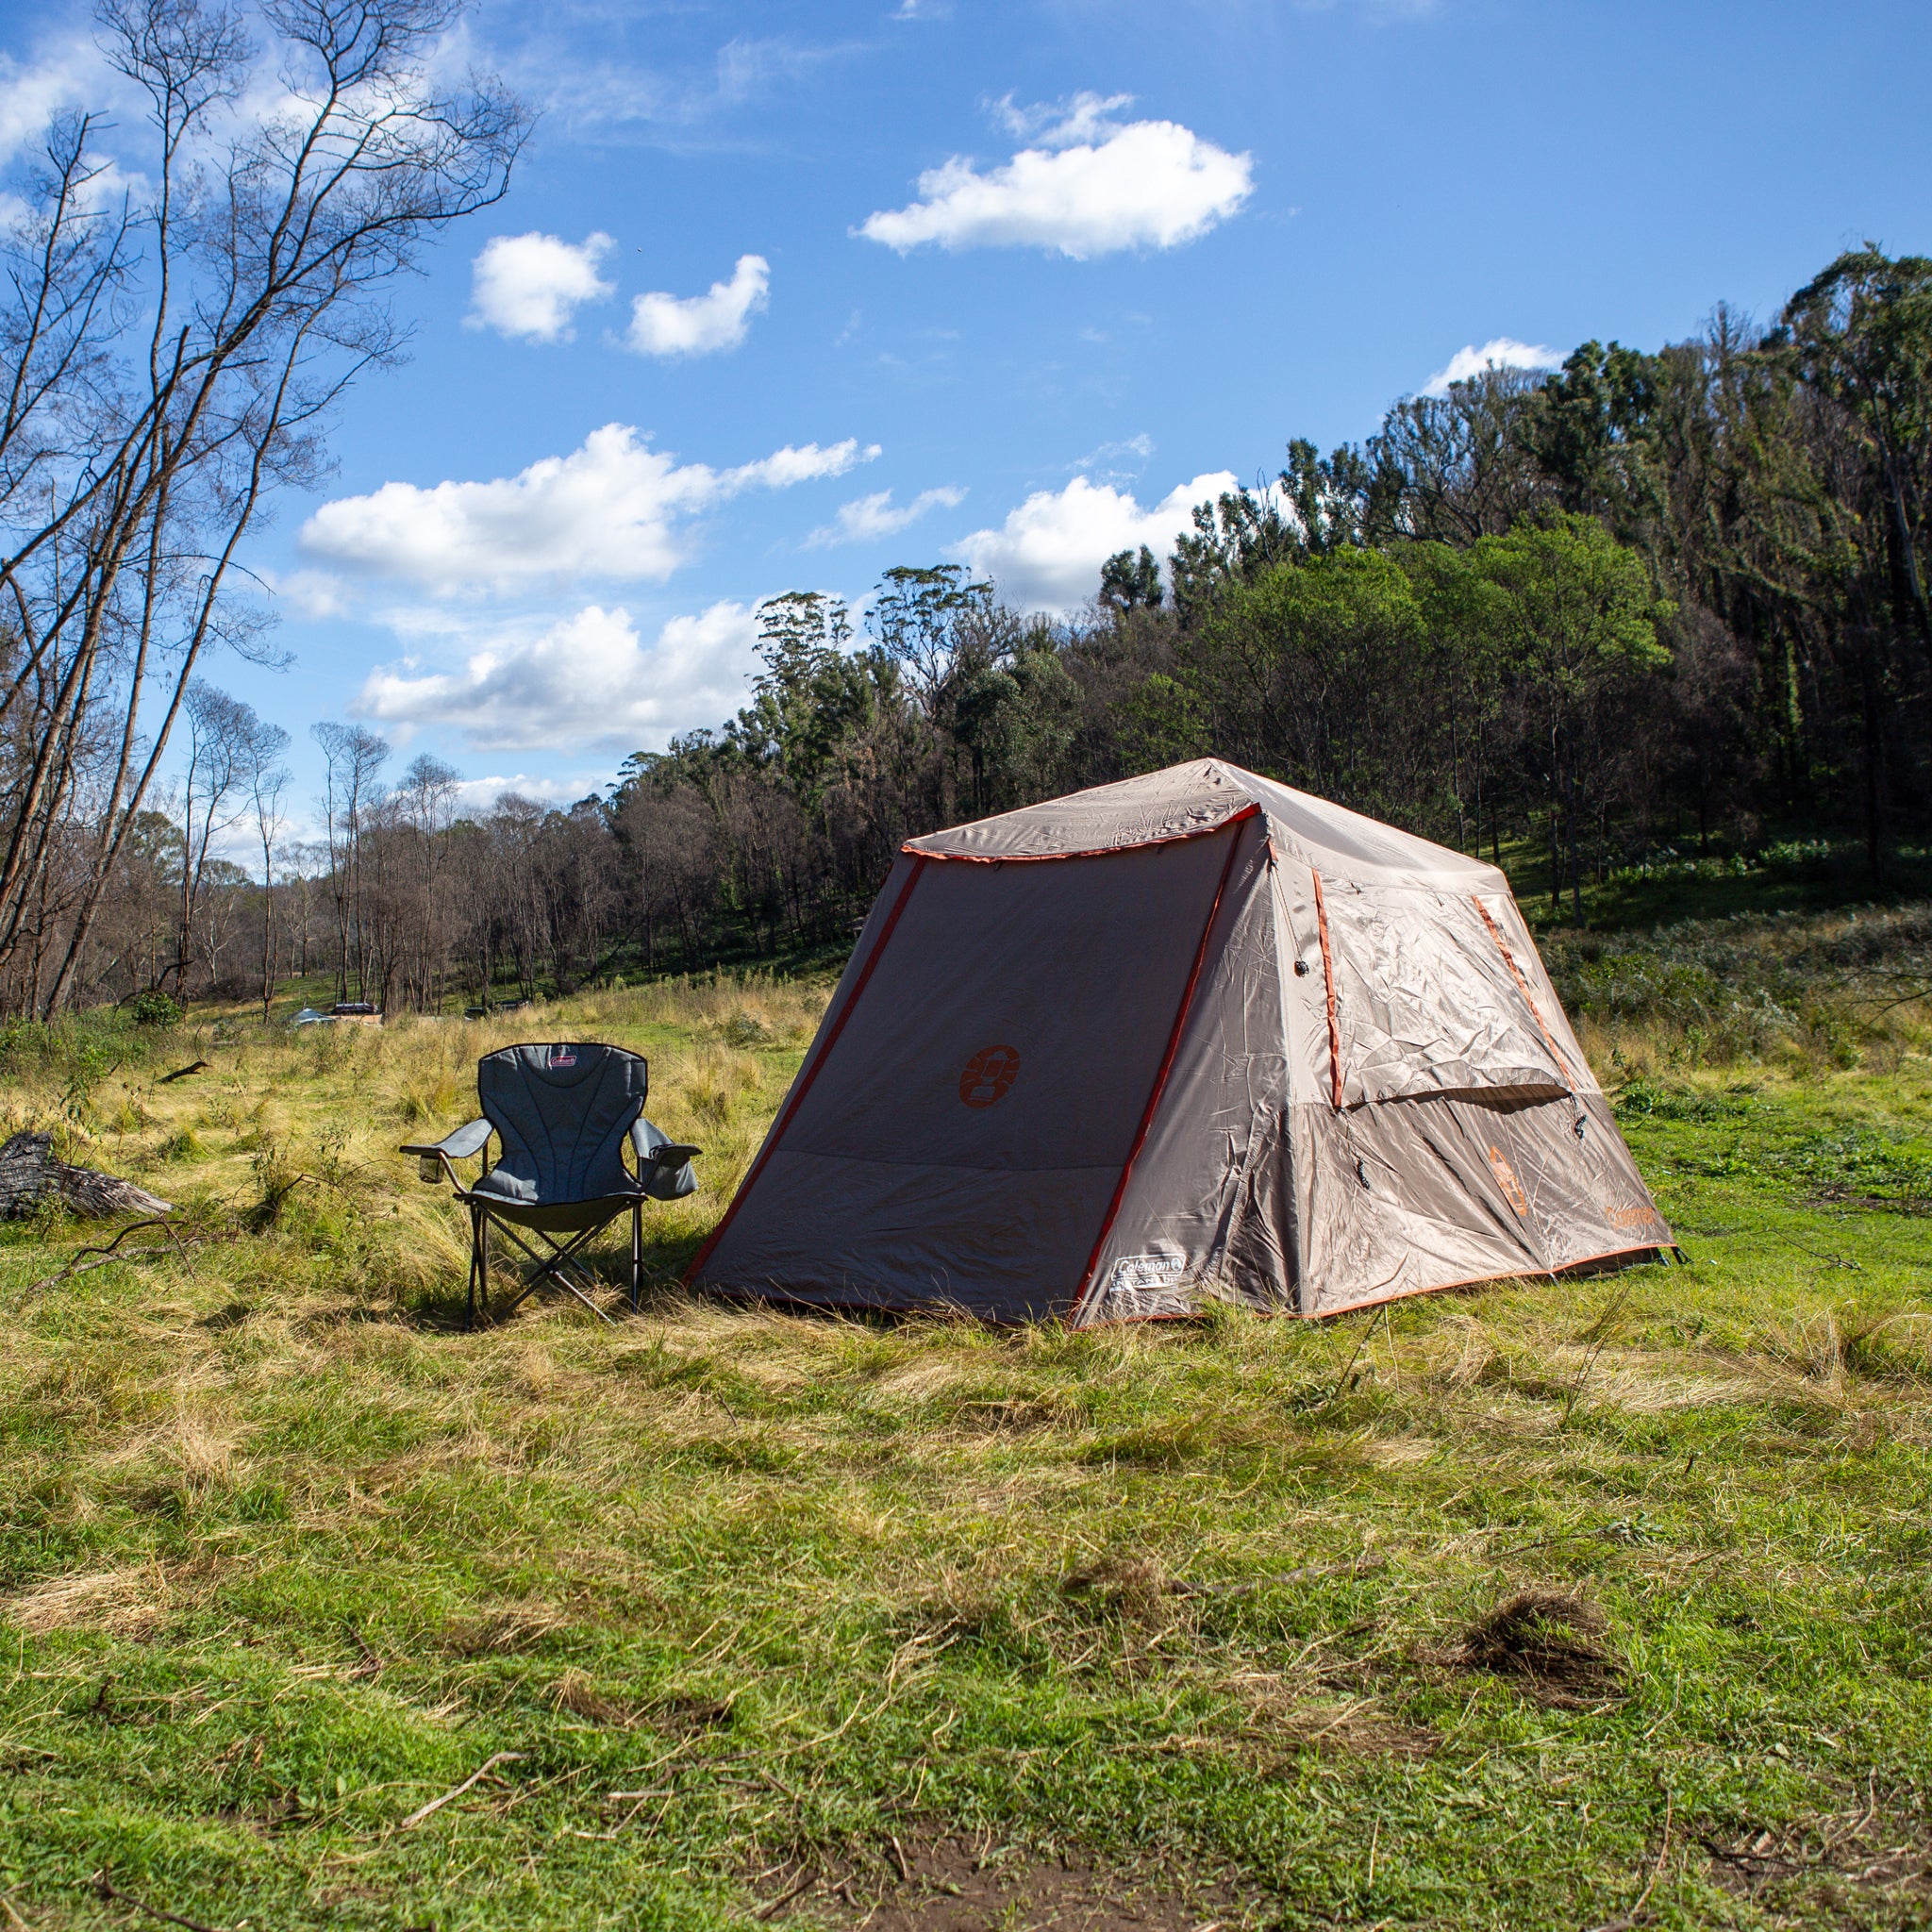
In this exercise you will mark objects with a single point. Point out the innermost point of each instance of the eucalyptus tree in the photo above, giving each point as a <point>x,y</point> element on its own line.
<point>179,312</point>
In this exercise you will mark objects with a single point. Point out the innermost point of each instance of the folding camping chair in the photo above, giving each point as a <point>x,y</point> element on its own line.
<point>561,1114</point>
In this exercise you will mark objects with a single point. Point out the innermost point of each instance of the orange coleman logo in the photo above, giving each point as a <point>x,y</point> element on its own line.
<point>1511,1187</point>
<point>989,1075</point>
<point>1631,1217</point>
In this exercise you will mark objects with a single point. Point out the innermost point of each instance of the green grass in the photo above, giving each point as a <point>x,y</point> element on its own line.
<point>284,1555</point>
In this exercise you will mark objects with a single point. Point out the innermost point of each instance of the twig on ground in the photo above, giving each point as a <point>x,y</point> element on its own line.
<point>482,1771</point>
<point>75,1266</point>
<point>899,1859</point>
<point>785,1897</point>
<point>1828,1260</point>
<point>182,1073</point>
<point>113,1893</point>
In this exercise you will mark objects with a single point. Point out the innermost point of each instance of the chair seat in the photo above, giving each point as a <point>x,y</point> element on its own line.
<point>554,1217</point>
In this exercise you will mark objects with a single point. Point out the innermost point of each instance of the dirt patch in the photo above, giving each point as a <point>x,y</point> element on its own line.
<point>1550,1645</point>
<point>965,1885</point>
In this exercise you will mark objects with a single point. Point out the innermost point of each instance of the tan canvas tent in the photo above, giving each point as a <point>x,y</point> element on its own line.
<point>1190,1035</point>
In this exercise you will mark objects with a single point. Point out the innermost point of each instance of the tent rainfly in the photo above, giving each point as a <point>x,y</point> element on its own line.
<point>1193,1035</point>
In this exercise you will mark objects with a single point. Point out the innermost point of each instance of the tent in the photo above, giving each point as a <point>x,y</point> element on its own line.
<point>1190,1035</point>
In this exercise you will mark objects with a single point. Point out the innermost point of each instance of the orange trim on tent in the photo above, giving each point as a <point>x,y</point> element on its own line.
<point>811,1073</point>
<point>912,849</point>
<point>1523,987</point>
<point>1173,1043</point>
<point>1328,979</point>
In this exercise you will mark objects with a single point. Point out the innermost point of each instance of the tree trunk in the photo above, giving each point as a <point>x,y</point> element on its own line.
<point>29,1175</point>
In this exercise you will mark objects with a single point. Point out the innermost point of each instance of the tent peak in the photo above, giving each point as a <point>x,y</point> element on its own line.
<point>1191,800</point>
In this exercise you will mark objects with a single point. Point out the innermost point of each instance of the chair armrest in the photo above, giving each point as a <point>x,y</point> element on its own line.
<point>663,1164</point>
<point>466,1139</point>
<point>437,1155</point>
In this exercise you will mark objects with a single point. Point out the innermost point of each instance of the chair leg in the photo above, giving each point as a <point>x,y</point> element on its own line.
<point>476,1243</point>
<point>636,1255</point>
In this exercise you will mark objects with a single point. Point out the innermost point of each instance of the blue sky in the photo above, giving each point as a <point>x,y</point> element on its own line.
<point>1004,284</point>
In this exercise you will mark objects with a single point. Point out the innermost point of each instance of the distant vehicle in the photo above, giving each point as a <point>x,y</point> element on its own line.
<point>364,1011</point>
<point>495,1007</point>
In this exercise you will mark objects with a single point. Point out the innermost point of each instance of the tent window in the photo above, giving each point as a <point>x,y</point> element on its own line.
<point>1426,1000</point>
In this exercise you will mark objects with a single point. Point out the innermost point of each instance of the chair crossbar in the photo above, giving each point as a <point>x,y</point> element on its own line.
<point>558,1266</point>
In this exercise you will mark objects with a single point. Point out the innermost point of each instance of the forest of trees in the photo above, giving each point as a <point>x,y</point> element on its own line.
<point>1649,600</point>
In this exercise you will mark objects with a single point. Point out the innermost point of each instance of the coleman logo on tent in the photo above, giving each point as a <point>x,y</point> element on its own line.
<point>562,1057</point>
<point>989,1075</point>
<point>1511,1187</point>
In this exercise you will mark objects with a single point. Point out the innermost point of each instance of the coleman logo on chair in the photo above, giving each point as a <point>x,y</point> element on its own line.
<point>562,1057</point>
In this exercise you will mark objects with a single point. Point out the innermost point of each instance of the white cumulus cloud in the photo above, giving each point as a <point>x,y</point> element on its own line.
<point>1047,554</point>
<point>585,684</point>
<point>65,75</point>
<point>531,285</point>
<point>479,795</point>
<point>664,324</point>
<point>1500,352</point>
<point>311,594</point>
<point>615,509</point>
<point>868,517</point>
<point>1085,186</point>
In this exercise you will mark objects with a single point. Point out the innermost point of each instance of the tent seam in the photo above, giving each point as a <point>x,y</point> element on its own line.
<point>1523,987</point>
<point>1328,980</point>
<point>1174,1041</point>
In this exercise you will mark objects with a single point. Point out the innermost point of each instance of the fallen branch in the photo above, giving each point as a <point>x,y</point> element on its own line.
<point>482,1771</point>
<point>182,1073</point>
<point>112,1895</point>
<point>106,1254</point>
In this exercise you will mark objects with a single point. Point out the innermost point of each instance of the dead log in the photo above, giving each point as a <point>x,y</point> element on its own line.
<point>29,1175</point>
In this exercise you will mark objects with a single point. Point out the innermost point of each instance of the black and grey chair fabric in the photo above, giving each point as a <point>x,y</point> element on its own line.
<point>561,1114</point>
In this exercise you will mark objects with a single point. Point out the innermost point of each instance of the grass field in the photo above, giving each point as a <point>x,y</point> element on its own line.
<point>1577,1604</point>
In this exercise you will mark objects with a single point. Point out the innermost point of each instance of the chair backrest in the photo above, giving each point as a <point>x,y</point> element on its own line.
<point>562,1111</point>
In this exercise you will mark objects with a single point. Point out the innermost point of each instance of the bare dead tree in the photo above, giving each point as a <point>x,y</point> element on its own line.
<point>354,756</point>
<point>268,782</point>
<point>171,361</point>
